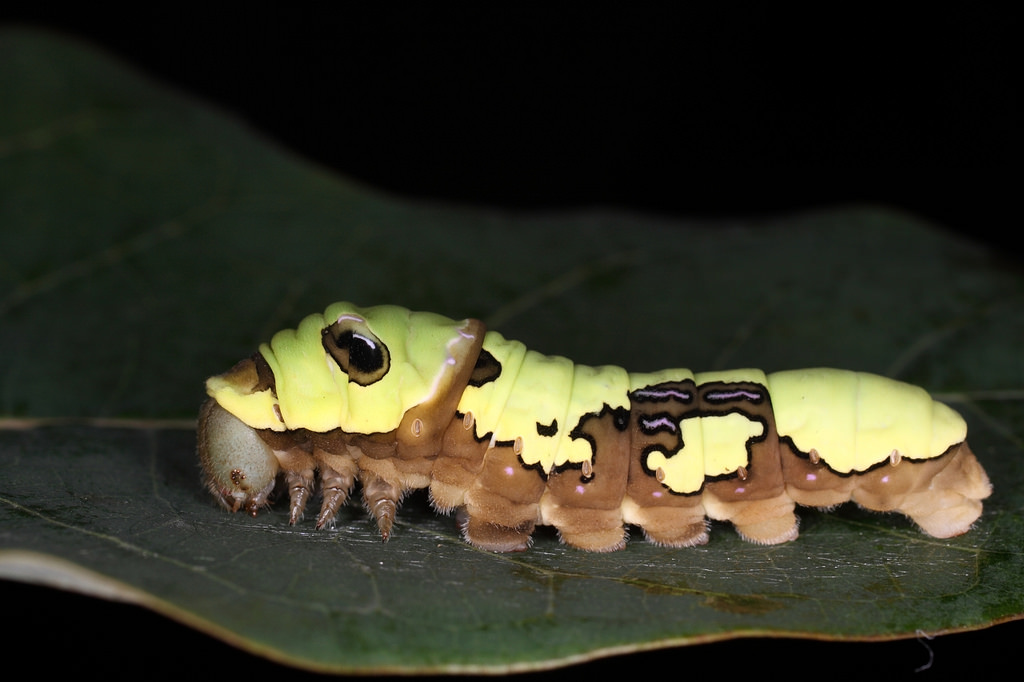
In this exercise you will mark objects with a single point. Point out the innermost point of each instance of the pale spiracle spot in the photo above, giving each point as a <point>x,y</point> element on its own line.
<point>417,427</point>
<point>895,457</point>
<point>517,446</point>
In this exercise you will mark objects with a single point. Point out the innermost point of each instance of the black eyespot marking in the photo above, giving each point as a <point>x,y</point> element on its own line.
<point>364,353</point>
<point>358,352</point>
<point>486,370</point>
<point>549,430</point>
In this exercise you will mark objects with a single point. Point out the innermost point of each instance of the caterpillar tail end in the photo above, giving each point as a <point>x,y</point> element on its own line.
<point>951,503</point>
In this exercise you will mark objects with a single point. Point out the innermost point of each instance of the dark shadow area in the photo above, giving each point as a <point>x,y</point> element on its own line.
<point>684,113</point>
<point>110,640</point>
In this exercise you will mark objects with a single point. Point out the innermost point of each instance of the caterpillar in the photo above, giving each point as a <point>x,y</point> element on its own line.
<point>511,439</point>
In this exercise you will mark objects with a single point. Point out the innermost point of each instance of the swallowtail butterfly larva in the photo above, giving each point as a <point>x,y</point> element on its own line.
<point>398,400</point>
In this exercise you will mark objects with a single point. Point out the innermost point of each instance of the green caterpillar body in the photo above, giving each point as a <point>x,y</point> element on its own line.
<point>399,400</point>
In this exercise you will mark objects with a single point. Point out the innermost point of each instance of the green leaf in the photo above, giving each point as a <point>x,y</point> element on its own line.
<point>148,242</point>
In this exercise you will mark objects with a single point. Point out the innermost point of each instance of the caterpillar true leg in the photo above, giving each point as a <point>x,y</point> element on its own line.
<point>336,481</point>
<point>382,499</point>
<point>399,401</point>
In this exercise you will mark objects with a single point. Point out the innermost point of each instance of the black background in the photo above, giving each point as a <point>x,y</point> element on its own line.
<point>690,113</point>
<point>685,113</point>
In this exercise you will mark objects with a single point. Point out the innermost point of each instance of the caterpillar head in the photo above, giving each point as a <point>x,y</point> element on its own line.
<point>240,469</point>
